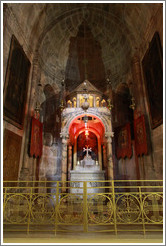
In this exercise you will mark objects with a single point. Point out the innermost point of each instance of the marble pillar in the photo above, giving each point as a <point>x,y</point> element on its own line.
<point>75,154</point>
<point>69,160</point>
<point>99,154</point>
<point>64,162</point>
<point>109,156</point>
<point>94,103</point>
<point>105,160</point>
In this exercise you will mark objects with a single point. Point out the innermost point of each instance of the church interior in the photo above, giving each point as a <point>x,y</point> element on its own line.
<point>83,121</point>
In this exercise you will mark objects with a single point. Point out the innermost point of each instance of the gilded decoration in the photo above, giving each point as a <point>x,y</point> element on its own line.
<point>128,208</point>
<point>71,209</point>
<point>100,208</point>
<point>117,205</point>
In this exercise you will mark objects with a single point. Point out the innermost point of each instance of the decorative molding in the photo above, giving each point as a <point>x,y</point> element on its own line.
<point>90,88</point>
<point>64,135</point>
<point>69,114</point>
<point>109,134</point>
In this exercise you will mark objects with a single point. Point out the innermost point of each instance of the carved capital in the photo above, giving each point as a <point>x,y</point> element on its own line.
<point>109,136</point>
<point>65,137</point>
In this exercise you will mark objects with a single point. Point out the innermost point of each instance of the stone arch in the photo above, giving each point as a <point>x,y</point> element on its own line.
<point>104,117</point>
<point>90,130</point>
<point>69,115</point>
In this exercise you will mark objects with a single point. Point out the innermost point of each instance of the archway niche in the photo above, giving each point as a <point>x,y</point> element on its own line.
<point>87,139</point>
<point>92,139</point>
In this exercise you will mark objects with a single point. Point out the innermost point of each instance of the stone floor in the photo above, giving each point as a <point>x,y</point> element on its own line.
<point>122,237</point>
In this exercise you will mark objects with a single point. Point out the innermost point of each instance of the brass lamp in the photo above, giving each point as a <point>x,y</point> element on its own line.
<point>37,111</point>
<point>132,105</point>
<point>110,105</point>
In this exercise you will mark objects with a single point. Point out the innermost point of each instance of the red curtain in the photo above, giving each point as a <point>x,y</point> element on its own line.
<point>36,138</point>
<point>140,136</point>
<point>123,142</point>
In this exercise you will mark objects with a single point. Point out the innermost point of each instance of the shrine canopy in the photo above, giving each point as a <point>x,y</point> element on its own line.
<point>93,125</point>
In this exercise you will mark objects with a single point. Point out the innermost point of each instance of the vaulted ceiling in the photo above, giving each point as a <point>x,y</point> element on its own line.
<point>117,28</point>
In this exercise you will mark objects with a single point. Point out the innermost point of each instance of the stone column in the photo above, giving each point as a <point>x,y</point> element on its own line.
<point>27,162</point>
<point>94,101</point>
<point>78,101</point>
<point>137,87</point>
<point>69,160</point>
<point>99,154</point>
<point>75,154</point>
<point>105,160</point>
<point>64,161</point>
<point>109,155</point>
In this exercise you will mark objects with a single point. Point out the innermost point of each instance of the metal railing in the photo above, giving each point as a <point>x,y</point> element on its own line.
<point>83,206</point>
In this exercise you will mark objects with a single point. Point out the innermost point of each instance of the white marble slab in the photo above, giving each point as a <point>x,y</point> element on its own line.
<point>85,174</point>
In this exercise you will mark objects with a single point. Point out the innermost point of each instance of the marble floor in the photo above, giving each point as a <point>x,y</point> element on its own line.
<point>122,237</point>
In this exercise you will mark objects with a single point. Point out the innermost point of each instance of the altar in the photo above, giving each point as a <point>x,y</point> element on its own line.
<point>87,170</point>
<point>86,122</point>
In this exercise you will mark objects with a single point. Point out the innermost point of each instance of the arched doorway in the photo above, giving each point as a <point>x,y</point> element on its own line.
<point>79,134</point>
<point>86,131</point>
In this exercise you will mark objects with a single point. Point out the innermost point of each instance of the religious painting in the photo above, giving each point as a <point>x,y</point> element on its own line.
<point>153,74</point>
<point>16,83</point>
<point>36,143</point>
<point>140,136</point>
<point>11,155</point>
<point>123,141</point>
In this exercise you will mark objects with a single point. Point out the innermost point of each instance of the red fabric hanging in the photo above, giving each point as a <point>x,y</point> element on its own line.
<point>140,136</point>
<point>123,142</point>
<point>36,138</point>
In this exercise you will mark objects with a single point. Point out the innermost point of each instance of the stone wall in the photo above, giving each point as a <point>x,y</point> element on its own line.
<point>11,26</point>
<point>15,23</point>
<point>150,166</point>
<point>28,23</point>
<point>154,160</point>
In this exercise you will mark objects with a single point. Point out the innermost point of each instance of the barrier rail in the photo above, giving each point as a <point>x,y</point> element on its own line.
<point>83,206</point>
